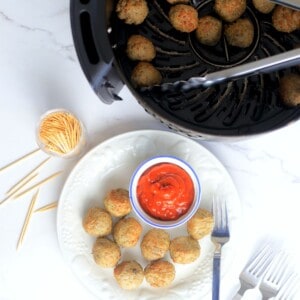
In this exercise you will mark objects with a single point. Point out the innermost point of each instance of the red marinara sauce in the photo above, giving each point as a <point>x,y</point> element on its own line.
<point>165,191</point>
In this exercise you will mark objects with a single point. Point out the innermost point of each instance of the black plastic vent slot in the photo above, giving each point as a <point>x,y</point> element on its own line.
<point>87,37</point>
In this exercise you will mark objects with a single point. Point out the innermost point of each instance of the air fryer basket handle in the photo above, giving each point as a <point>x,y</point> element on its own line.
<point>93,47</point>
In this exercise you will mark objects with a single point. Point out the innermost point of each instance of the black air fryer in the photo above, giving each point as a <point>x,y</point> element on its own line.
<point>239,108</point>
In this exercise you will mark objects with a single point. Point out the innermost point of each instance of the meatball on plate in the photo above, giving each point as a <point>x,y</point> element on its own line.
<point>136,261</point>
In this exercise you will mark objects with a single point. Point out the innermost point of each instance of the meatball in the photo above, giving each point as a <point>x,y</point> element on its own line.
<point>184,250</point>
<point>240,33</point>
<point>230,10</point>
<point>155,244</point>
<point>97,222</point>
<point>106,253</point>
<point>209,30</point>
<point>200,224</point>
<point>132,11</point>
<point>160,273</point>
<point>289,89</point>
<point>145,74</point>
<point>263,6</point>
<point>129,275</point>
<point>140,48</point>
<point>183,17</point>
<point>117,202</point>
<point>285,19</point>
<point>127,232</point>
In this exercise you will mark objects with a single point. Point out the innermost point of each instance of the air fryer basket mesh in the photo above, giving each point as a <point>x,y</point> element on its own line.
<point>243,107</point>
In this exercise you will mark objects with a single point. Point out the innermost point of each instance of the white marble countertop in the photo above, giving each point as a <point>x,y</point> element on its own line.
<point>39,71</point>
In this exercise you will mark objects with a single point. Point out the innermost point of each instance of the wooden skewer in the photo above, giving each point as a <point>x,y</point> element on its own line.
<point>27,219</point>
<point>15,191</point>
<point>47,207</point>
<point>19,159</point>
<point>15,186</point>
<point>38,184</point>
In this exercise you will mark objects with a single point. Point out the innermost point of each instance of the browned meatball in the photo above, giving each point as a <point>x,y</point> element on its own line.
<point>209,30</point>
<point>97,222</point>
<point>117,202</point>
<point>263,6</point>
<point>285,19</point>
<point>140,48</point>
<point>106,253</point>
<point>184,250</point>
<point>129,275</point>
<point>200,224</point>
<point>145,74</point>
<point>289,89</point>
<point>127,232</point>
<point>132,11</point>
<point>240,33</point>
<point>230,10</point>
<point>160,273</point>
<point>183,17</point>
<point>155,244</point>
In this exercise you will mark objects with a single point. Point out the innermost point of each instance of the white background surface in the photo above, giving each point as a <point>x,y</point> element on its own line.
<point>39,70</point>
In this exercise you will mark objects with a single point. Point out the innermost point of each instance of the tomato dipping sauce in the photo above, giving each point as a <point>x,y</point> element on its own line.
<point>165,191</point>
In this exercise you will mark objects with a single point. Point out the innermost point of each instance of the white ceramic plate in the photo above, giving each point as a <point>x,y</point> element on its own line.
<point>110,165</point>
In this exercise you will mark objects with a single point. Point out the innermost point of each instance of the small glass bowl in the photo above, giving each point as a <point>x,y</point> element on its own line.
<point>147,218</point>
<point>75,151</point>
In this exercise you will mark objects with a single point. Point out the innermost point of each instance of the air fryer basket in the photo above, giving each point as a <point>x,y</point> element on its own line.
<point>238,108</point>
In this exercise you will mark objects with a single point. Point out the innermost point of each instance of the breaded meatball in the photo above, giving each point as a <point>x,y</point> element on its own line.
<point>184,250</point>
<point>240,33</point>
<point>209,30</point>
<point>97,222</point>
<point>263,6</point>
<point>201,224</point>
<point>145,74</point>
<point>129,275</point>
<point>132,11</point>
<point>289,89</point>
<point>106,253</point>
<point>230,10</point>
<point>285,19</point>
<point>183,17</point>
<point>140,48</point>
<point>127,232</point>
<point>155,244</point>
<point>177,1</point>
<point>117,202</point>
<point>160,273</point>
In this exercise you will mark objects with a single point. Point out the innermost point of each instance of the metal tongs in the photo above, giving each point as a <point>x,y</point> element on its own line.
<point>266,65</point>
<point>294,4</point>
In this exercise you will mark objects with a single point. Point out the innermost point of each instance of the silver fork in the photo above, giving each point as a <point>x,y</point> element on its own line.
<point>275,276</point>
<point>220,236</point>
<point>254,270</point>
<point>290,288</point>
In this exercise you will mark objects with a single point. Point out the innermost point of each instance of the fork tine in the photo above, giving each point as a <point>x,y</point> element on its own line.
<point>220,214</point>
<point>278,268</point>
<point>216,212</point>
<point>258,265</point>
<point>225,214</point>
<point>289,288</point>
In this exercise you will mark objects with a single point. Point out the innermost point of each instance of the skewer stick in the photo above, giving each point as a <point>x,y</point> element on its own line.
<point>19,159</point>
<point>22,185</point>
<point>38,184</point>
<point>15,186</point>
<point>27,219</point>
<point>47,207</point>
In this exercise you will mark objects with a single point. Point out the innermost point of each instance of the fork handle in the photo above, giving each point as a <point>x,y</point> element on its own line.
<point>216,276</point>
